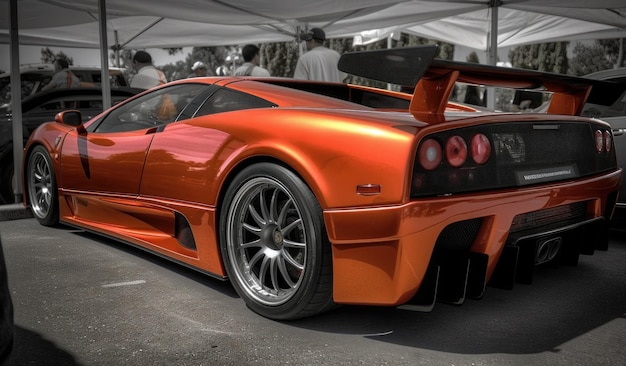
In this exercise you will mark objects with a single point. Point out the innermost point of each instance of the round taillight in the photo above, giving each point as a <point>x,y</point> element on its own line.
<point>429,154</point>
<point>608,141</point>
<point>456,151</point>
<point>599,141</point>
<point>481,148</point>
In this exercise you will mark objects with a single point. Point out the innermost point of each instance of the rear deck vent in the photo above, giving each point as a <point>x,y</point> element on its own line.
<point>574,212</point>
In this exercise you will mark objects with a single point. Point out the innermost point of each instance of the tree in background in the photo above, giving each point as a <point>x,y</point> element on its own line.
<point>279,58</point>
<point>596,56</point>
<point>550,57</point>
<point>615,50</point>
<point>49,57</point>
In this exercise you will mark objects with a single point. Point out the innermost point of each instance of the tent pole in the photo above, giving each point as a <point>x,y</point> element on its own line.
<point>16,101</point>
<point>492,49</point>
<point>104,56</point>
<point>117,49</point>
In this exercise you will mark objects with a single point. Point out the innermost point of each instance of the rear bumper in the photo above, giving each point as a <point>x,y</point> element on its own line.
<point>382,256</point>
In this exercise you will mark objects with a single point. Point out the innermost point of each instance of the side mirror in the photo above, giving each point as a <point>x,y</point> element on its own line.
<point>71,118</point>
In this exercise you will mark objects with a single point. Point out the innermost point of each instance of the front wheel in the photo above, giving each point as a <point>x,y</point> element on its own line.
<point>274,244</point>
<point>42,187</point>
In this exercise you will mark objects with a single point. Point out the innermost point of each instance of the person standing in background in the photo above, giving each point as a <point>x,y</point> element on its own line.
<point>147,75</point>
<point>252,60</point>
<point>319,62</point>
<point>198,70</point>
<point>63,77</point>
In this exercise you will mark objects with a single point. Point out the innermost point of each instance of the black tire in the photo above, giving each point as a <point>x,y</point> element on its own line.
<point>274,244</point>
<point>41,183</point>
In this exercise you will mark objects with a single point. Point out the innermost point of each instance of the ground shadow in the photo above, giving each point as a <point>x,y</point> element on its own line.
<point>562,304</point>
<point>33,349</point>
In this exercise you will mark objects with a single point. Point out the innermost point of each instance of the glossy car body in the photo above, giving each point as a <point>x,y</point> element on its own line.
<point>42,108</point>
<point>307,194</point>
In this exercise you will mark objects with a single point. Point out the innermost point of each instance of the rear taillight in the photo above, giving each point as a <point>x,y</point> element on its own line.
<point>456,151</point>
<point>608,141</point>
<point>599,137</point>
<point>604,141</point>
<point>430,154</point>
<point>481,148</point>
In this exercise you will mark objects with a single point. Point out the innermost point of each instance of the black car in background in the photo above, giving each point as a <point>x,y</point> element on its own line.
<point>35,77</point>
<point>41,108</point>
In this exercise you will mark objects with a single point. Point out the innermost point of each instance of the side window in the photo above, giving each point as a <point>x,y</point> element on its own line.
<point>225,100</point>
<point>157,108</point>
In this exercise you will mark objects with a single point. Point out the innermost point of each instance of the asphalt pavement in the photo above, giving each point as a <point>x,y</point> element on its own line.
<point>83,300</point>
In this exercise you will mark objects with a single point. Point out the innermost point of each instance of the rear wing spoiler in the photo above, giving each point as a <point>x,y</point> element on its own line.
<point>433,80</point>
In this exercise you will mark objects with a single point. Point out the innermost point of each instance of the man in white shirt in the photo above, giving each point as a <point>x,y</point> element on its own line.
<point>252,60</point>
<point>319,62</point>
<point>147,75</point>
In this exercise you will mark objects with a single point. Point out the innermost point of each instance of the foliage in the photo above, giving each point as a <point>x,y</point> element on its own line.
<point>49,57</point>
<point>280,58</point>
<point>615,50</point>
<point>473,58</point>
<point>549,57</point>
<point>596,56</point>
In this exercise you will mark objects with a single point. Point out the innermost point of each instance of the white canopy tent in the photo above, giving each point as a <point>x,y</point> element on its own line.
<point>154,23</point>
<point>150,23</point>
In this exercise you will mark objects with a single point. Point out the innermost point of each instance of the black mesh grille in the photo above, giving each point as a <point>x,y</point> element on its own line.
<point>458,236</point>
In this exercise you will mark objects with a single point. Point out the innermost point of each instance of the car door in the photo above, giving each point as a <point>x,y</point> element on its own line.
<point>108,157</point>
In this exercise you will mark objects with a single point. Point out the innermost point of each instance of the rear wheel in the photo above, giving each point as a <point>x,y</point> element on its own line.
<point>42,188</point>
<point>274,244</point>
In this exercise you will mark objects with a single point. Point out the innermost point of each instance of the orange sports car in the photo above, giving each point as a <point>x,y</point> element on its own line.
<point>306,195</point>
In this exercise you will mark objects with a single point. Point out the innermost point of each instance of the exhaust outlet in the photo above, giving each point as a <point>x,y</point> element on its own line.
<point>547,250</point>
